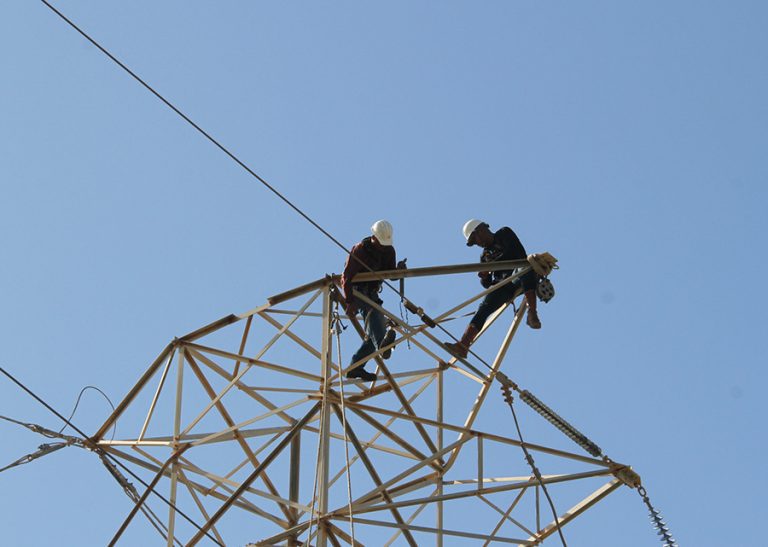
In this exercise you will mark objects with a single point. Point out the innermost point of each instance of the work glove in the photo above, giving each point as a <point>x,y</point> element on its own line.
<point>401,265</point>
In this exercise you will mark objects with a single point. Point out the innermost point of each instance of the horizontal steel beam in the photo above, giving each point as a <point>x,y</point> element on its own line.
<point>441,270</point>
<point>401,274</point>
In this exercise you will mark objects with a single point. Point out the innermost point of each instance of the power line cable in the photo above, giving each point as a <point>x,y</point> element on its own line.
<point>196,126</point>
<point>237,160</point>
<point>507,394</point>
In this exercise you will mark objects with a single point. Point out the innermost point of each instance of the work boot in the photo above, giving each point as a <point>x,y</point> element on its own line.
<point>389,337</point>
<point>461,348</point>
<point>533,318</point>
<point>361,373</point>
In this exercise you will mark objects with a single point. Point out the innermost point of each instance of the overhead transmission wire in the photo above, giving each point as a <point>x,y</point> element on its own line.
<point>106,454</point>
<point>250,171</point>
<point>234,158</point>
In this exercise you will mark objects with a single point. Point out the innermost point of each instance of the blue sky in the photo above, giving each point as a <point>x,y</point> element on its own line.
<point>627,139</point>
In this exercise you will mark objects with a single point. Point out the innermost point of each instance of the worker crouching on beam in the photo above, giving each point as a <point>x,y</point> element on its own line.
<point>377,253</point>
<point>500,245</point>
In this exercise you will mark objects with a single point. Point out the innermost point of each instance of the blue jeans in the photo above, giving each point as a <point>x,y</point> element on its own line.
<point>493,301</point>
<point>375,328</point>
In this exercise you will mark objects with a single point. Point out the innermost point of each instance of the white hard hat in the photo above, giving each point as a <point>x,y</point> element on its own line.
<point>469,227</point>
<point>382,229</point>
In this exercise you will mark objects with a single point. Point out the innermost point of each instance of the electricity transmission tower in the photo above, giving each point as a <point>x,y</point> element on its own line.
<point>250,426</point>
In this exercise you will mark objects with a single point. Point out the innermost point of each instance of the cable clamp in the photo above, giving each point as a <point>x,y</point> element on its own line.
<point>626,475</point>
<point>413,308</point>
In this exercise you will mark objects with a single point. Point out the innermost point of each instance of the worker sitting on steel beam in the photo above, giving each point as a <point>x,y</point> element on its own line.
<point>500,245</point>
<point>374,253</point>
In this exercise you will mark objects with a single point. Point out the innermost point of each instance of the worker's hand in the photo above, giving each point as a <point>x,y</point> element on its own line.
<point>401,265</point>
<point>485,279</point>
<point>350,309</point>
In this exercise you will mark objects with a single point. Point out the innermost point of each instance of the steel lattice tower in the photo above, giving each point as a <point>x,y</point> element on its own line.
<point>246,425</point>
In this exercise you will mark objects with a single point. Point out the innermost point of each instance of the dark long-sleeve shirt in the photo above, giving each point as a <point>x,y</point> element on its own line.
<point>506,246</point>
<point>377,258</point>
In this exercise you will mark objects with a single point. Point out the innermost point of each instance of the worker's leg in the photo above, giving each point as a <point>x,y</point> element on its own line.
<point>530,280</point>
<point>370,325</point>
<point>492,302</point>
<point>375,327</point>
<point>366,348</point>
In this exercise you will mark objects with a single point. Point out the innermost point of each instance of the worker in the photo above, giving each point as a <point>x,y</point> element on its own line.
<point>374,253</point>
<point>500,245</point>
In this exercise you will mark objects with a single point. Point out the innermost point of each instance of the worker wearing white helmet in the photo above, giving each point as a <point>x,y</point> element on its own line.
<point>374,253</point>
<point>500,245</point>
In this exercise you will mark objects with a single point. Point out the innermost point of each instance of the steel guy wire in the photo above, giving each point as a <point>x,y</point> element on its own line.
<point>100,451</point>
<point>42,450</point>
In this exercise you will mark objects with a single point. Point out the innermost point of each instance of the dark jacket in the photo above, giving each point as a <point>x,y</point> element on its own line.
<point>506,246</point>
<point>376,258</point>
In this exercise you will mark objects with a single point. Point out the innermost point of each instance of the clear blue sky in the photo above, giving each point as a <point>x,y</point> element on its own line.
<point>627,139</point>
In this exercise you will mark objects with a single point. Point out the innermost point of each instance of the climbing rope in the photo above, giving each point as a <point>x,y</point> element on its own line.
<point>337,323</point>
<point>320,430</point>
<point>658,523</point>
<point>507,393</point>
<point>405,318</point>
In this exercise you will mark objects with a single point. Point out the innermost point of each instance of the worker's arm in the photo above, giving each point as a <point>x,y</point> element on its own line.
<point>351,269</point>
<point>486,278</point>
